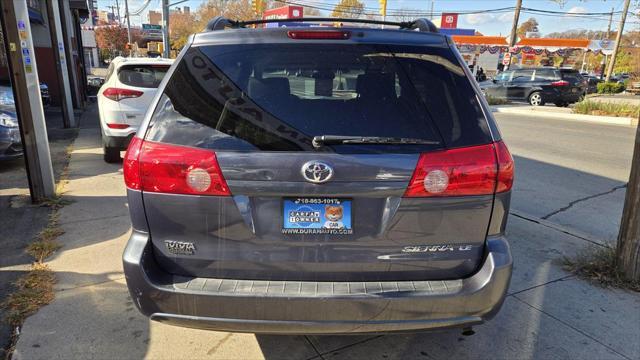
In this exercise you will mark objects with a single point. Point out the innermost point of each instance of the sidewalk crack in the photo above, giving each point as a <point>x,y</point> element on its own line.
<point>540,285</point>
<point>571,204</point>
<point>572,327</point>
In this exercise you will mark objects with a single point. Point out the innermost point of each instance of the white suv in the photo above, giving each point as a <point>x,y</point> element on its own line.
<point>123,100</point>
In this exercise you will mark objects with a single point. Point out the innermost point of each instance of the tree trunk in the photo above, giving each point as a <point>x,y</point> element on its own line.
<point>628,252</point>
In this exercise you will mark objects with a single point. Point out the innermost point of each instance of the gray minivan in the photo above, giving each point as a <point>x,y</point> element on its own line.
<point>311,180</point>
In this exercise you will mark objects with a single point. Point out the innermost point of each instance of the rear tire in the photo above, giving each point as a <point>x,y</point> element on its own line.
<point>111,155</point>
<point>535,99</point>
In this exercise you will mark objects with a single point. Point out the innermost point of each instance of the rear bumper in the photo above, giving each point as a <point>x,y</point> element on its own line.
<point>293,307</point>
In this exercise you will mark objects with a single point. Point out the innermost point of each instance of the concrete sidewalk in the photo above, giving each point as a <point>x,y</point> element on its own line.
<point>561,113</point>
<point>547,315</point>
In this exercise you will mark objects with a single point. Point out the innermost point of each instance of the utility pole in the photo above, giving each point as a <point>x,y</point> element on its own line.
<point>431,17</point>
<point>628,249</point>
<point>23,72</point>
<point>126,14</point>
<point>53,14</point>
<point>603,64</point>
<point>616,46</point>
<point>166,46</point>
<point>118,10</point>
<point>514,28</point>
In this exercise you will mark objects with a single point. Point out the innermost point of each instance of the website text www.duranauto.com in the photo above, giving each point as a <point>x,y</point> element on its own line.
<point>316,231</point>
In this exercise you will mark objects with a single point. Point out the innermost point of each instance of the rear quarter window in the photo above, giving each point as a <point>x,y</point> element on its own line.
<point>146,76</point>
<point>277,97</point>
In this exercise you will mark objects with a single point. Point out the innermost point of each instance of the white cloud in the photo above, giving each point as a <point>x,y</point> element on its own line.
<point>576,10</point>
<point>506,17</point>
<point>479,19</point>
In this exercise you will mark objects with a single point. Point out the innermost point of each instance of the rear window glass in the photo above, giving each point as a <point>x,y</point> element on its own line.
<point>147,76</point>
<point>571,76</point>
<point>259,97</point>
<point>522,75</point>
<point>545,74</point>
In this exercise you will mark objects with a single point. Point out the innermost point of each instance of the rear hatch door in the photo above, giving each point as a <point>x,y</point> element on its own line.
<point>338,211</point>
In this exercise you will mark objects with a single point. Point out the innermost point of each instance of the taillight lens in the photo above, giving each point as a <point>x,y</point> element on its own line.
<point>319,35</point>
<point>131,165</point>
<point>506,168</point>
<point>460,172</point>
<point>117,94</point>
<point>117,126</point>
<point>560,83</point>
<point>173,169</point>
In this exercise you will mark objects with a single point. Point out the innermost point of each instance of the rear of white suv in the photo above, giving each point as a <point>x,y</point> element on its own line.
<point>124,98</point>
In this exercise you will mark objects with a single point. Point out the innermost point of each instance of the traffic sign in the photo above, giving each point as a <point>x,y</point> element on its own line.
<point>506,59</point>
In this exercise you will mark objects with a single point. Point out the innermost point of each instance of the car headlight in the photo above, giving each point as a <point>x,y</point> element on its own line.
<point>8,121</point>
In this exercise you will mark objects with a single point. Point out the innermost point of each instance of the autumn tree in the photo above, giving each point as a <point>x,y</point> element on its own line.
<point>113,38</point>
<point>181,25</point>
<point>531,25</point>
<point>348,9</point>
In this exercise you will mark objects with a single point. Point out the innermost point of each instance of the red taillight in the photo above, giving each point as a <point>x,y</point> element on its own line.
<point>506,168</point>
<point>560,83</point>
<point>460,172</point>
<point>173,169</point>
<point>117,94</point>
<point>117,126</point>
<point>131,165</point>
<point>319,35</point>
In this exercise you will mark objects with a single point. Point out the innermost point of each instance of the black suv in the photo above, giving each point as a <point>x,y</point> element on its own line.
<point>318,180</point>
<point>538,86</point>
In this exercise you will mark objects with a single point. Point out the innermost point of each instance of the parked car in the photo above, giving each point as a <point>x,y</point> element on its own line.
<point>538,86</point>
<point>266,202</point>
<point>592,84</point>
<point>10,142</point>
<point>44,93</point>
<point>123,100</point>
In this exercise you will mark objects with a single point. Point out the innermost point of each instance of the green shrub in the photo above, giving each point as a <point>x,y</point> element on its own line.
<point>491,100</point>
<point>590,107</point>
<point>610,88</point>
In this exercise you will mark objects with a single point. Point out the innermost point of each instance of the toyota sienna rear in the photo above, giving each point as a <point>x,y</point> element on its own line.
<point>318,180</point>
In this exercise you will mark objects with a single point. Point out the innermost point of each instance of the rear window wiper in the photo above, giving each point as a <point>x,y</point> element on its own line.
<point>319,141</point>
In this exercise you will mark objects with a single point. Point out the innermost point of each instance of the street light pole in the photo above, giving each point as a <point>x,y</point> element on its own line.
<point>616,47</point>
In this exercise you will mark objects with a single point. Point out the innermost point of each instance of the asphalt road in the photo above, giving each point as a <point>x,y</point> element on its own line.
<point>568,172</point>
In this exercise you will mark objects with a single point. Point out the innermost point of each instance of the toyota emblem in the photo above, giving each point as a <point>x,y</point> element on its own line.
<point>317,172</point>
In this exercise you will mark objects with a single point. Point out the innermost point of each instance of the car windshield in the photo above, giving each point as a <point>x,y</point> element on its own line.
<point>278,97</point>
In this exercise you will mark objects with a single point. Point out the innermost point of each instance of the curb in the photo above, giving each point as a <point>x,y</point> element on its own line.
<point>531,111</point>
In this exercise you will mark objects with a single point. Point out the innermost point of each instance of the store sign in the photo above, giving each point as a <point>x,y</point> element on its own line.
<point>285,12</point>
<point>449,21</point>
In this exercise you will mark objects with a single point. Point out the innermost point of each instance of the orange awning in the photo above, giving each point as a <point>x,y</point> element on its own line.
<point>479,40</point>
<point>549,42</point>
<point>533,42</point>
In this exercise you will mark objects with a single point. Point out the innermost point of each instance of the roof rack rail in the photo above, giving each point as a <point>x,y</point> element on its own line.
<point>421,24</point>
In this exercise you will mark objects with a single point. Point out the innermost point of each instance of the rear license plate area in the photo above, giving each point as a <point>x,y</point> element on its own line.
<point>317,216</point>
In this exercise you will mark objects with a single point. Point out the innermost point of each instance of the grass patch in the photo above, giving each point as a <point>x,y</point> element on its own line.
<point>597,264</point>
<point>496,101</point>
<point>33,290</point>
<point>590,107</point>
<point>56,202</point>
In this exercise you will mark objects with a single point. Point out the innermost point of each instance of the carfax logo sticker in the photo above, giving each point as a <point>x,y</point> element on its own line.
<point>317,216</point>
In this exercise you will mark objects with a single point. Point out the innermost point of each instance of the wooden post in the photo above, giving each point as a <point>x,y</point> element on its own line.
<point>628,251</point>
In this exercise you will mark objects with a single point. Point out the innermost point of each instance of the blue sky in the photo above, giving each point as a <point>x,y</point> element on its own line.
<point>488,24</point>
